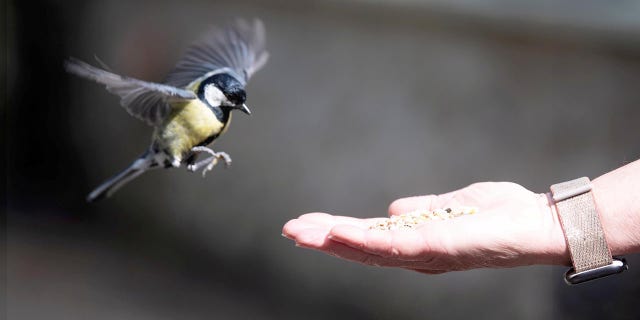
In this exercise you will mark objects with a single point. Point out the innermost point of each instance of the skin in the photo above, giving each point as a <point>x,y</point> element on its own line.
<point>515,227</point>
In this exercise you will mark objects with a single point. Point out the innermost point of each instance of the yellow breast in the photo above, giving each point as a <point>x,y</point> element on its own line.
<point>189,124</point>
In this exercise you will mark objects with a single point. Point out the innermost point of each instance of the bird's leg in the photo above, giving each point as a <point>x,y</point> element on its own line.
<point>210,162</point>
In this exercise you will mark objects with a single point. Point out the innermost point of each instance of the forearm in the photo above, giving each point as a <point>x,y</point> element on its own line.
<point>617,198</point>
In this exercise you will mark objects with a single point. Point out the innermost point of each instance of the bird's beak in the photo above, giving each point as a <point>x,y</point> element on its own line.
<point>244,109</point>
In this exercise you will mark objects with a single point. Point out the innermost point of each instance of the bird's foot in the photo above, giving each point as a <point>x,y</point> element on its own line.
<point>209,162</point>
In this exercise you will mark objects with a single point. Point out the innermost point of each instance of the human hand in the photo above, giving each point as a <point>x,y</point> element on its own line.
<point>513,227</point>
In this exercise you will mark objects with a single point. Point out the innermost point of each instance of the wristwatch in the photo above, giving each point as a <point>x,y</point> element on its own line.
<point>590,254</point>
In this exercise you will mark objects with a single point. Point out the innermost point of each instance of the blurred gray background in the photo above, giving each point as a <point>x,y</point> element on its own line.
<point>362,102</point>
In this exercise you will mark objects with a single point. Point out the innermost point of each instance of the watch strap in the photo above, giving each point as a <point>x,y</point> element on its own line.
<point>581,224</point>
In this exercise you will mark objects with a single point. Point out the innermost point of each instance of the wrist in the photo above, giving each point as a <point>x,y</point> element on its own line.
<point>620,221</point>
<point>590,253</point>
<point>558,251</point>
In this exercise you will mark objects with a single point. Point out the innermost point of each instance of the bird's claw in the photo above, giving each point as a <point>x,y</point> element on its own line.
<point>214,160</point>
<point>209,162</point>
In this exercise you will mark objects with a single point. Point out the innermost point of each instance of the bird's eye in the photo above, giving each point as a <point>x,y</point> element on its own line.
<point>236,98</point>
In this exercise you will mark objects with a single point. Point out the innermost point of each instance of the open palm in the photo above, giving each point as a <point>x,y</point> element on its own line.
<point>513,227</point>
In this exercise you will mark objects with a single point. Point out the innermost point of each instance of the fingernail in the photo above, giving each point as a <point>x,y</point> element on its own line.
<point>284,235</point>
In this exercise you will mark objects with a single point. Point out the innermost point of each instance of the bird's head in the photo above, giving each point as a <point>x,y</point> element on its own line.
<point>224,91</point>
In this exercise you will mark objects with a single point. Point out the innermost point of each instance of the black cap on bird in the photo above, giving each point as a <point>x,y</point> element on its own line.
<point>192,107</point>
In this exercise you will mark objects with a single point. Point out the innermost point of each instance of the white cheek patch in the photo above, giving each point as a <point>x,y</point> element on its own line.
<point>213,95</point>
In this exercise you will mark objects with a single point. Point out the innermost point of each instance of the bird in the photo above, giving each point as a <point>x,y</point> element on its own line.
<point>192,107</point>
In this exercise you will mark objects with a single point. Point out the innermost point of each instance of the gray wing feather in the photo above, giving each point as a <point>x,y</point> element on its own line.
<point>239,47</point>
<point>146,101</point>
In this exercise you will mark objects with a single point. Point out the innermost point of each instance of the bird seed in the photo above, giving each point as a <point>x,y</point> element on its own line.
<point>414,219</point>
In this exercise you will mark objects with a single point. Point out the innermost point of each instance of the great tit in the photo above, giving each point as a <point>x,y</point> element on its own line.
<point>193,106</point>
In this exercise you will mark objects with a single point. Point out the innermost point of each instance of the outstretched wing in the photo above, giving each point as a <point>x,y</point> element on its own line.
<point>240,48</point>
<point>146,101</point>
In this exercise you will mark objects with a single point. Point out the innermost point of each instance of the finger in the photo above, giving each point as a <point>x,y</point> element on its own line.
<point>345,252</point>
<point>305,234</point>
<point>307,221</point>
<point>323,220</point>
<point>401,244</point>
<point>310,229</point>
<point>331,220</point>
<point>295,227</point>
<point>405,205</point>
<point>342,251</point>
<point>313,238</point>
<point>317,217</point>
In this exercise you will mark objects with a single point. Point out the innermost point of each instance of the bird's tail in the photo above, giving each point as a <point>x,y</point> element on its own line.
<point>138,167</point>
